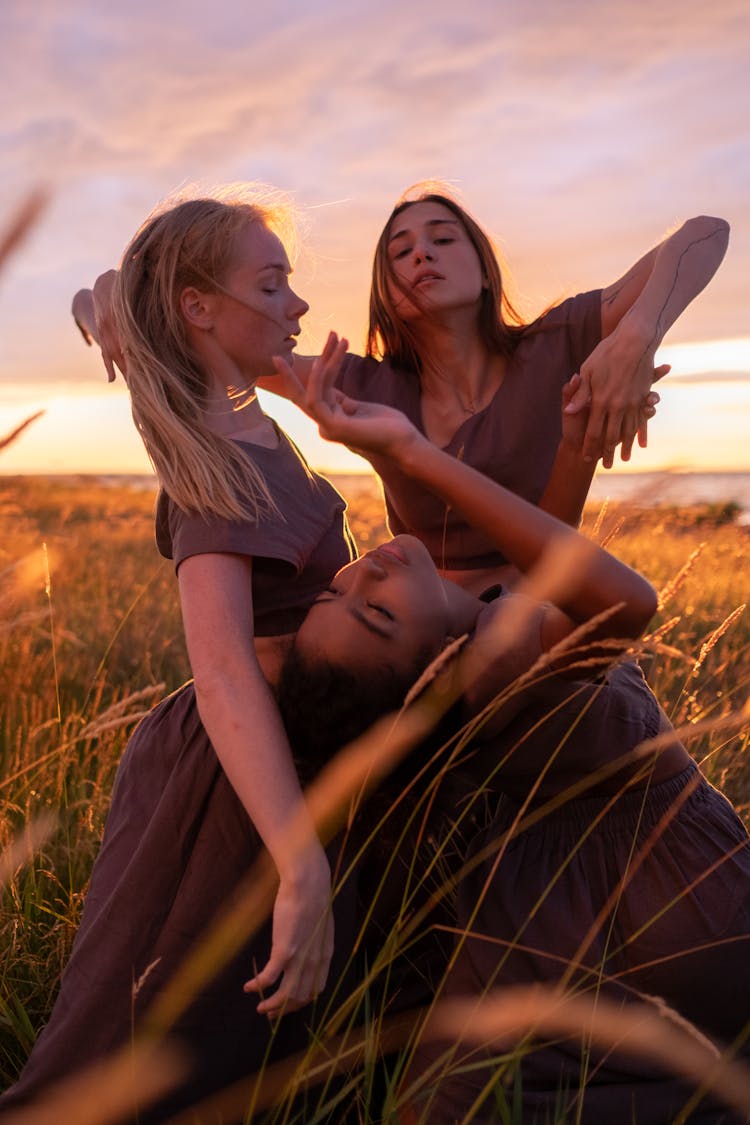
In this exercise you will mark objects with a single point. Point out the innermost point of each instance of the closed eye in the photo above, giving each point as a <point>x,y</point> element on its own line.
<point>382,610</point>
<point>327,596</point>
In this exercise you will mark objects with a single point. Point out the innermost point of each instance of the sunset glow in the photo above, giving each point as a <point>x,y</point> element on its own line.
<point>578,134</point>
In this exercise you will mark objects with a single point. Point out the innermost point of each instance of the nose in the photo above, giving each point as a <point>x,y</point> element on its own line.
<point>298,306</point>
<point>369,567</point>
<point>422,251</point>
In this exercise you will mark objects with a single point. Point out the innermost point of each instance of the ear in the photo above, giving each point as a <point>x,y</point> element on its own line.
<point>198,308</point>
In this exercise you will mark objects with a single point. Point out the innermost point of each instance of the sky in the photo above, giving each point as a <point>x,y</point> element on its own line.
<point>578,132</point>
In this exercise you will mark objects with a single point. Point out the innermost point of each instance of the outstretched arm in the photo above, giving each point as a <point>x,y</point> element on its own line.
<point>524,533</point>
<point>637,310</point>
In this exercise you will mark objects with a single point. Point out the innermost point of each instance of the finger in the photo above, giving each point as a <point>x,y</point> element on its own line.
<point>332,368</point>
<point>316,386</point>
<point>84,332</point>
<point>267,976</point>
<point>278,1004</point>
<point>629,430</point>
<point>612,436</point>
<point>82,309</point>
<point>109,367</point>
<point>295,991</point>
<point>570,388</point>
<point>643,433</point>
<point>652,400</point>
<point>581,397</point>
<point>592,442</point>
<point>661,371</point>
<point>322,393</point>
<point>292,385</point>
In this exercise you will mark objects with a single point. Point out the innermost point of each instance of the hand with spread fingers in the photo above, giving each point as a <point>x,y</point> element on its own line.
<point>365,427</point>
<point>93,313</point>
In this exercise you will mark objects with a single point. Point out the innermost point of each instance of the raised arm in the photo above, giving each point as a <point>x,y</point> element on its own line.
<point>637,311</point>
<point>243,723</point>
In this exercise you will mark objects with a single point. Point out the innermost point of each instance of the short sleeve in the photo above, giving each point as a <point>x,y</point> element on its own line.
<point>581,319</point>
<point>358,374</point>
<point>179,535</point>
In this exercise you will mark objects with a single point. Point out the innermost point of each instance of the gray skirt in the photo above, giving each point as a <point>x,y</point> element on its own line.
<point>177,843</point>
<point>679,929</point>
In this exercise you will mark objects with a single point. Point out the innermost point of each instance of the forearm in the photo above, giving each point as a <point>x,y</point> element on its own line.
<point>524,533</point>
<point>568,486</point>
<point>683,265</point>
<point>242,721</point>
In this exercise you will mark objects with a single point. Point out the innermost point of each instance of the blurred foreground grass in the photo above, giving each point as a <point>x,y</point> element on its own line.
<point>90,637</point>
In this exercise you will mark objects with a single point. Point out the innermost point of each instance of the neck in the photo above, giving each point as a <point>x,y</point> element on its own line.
<point>234,411</point>
<point>463,608</point>
<point>457,368</point>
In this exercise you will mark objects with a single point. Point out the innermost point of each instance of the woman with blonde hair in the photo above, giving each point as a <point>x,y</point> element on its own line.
<point>447,346</point>
<point>204,305</point>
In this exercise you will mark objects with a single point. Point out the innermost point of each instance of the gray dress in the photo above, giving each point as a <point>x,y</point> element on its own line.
<point>658,873</point>
<point>178,841</point>
<point>513,440</point>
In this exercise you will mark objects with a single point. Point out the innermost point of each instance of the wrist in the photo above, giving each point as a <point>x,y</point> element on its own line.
<point>640,331</point>
<point>570,452</point>
<point>305,868</point>
<point>409,452</point>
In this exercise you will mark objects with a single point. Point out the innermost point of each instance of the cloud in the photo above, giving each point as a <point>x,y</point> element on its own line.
<point>577,131</point>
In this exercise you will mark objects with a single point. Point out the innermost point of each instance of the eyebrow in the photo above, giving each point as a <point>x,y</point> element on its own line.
<point>368,624</point>
<point>377,630</point>
<point>278,266</point>
<point>429,223</point>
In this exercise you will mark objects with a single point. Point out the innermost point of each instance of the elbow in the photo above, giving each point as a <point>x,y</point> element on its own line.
<point>711,226</point>
<point>220,685</point>
<point>210,691</point>
<point>641,605</point>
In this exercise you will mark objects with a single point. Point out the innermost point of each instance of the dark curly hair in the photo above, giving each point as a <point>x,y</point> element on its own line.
<point>324,706</point>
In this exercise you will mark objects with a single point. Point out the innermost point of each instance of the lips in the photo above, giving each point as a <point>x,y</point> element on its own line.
<point>426,276</point>
<point>393,551</point>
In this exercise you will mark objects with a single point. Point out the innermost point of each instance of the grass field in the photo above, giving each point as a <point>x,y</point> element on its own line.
<point>90,638</point>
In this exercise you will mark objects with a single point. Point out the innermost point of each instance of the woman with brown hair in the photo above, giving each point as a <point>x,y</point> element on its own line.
<point>446,345</point>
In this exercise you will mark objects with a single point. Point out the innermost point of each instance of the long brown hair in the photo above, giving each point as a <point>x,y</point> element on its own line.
<point>189,243</point>
<point>500,324</point>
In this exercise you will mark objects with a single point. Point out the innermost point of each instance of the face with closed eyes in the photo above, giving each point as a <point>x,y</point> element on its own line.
<point>432,262</point>
<point>389,607</point>
<point>254,314</point>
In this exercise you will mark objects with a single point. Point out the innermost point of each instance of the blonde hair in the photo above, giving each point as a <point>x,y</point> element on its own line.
<point>187,243</point>
<point>500,323</point>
